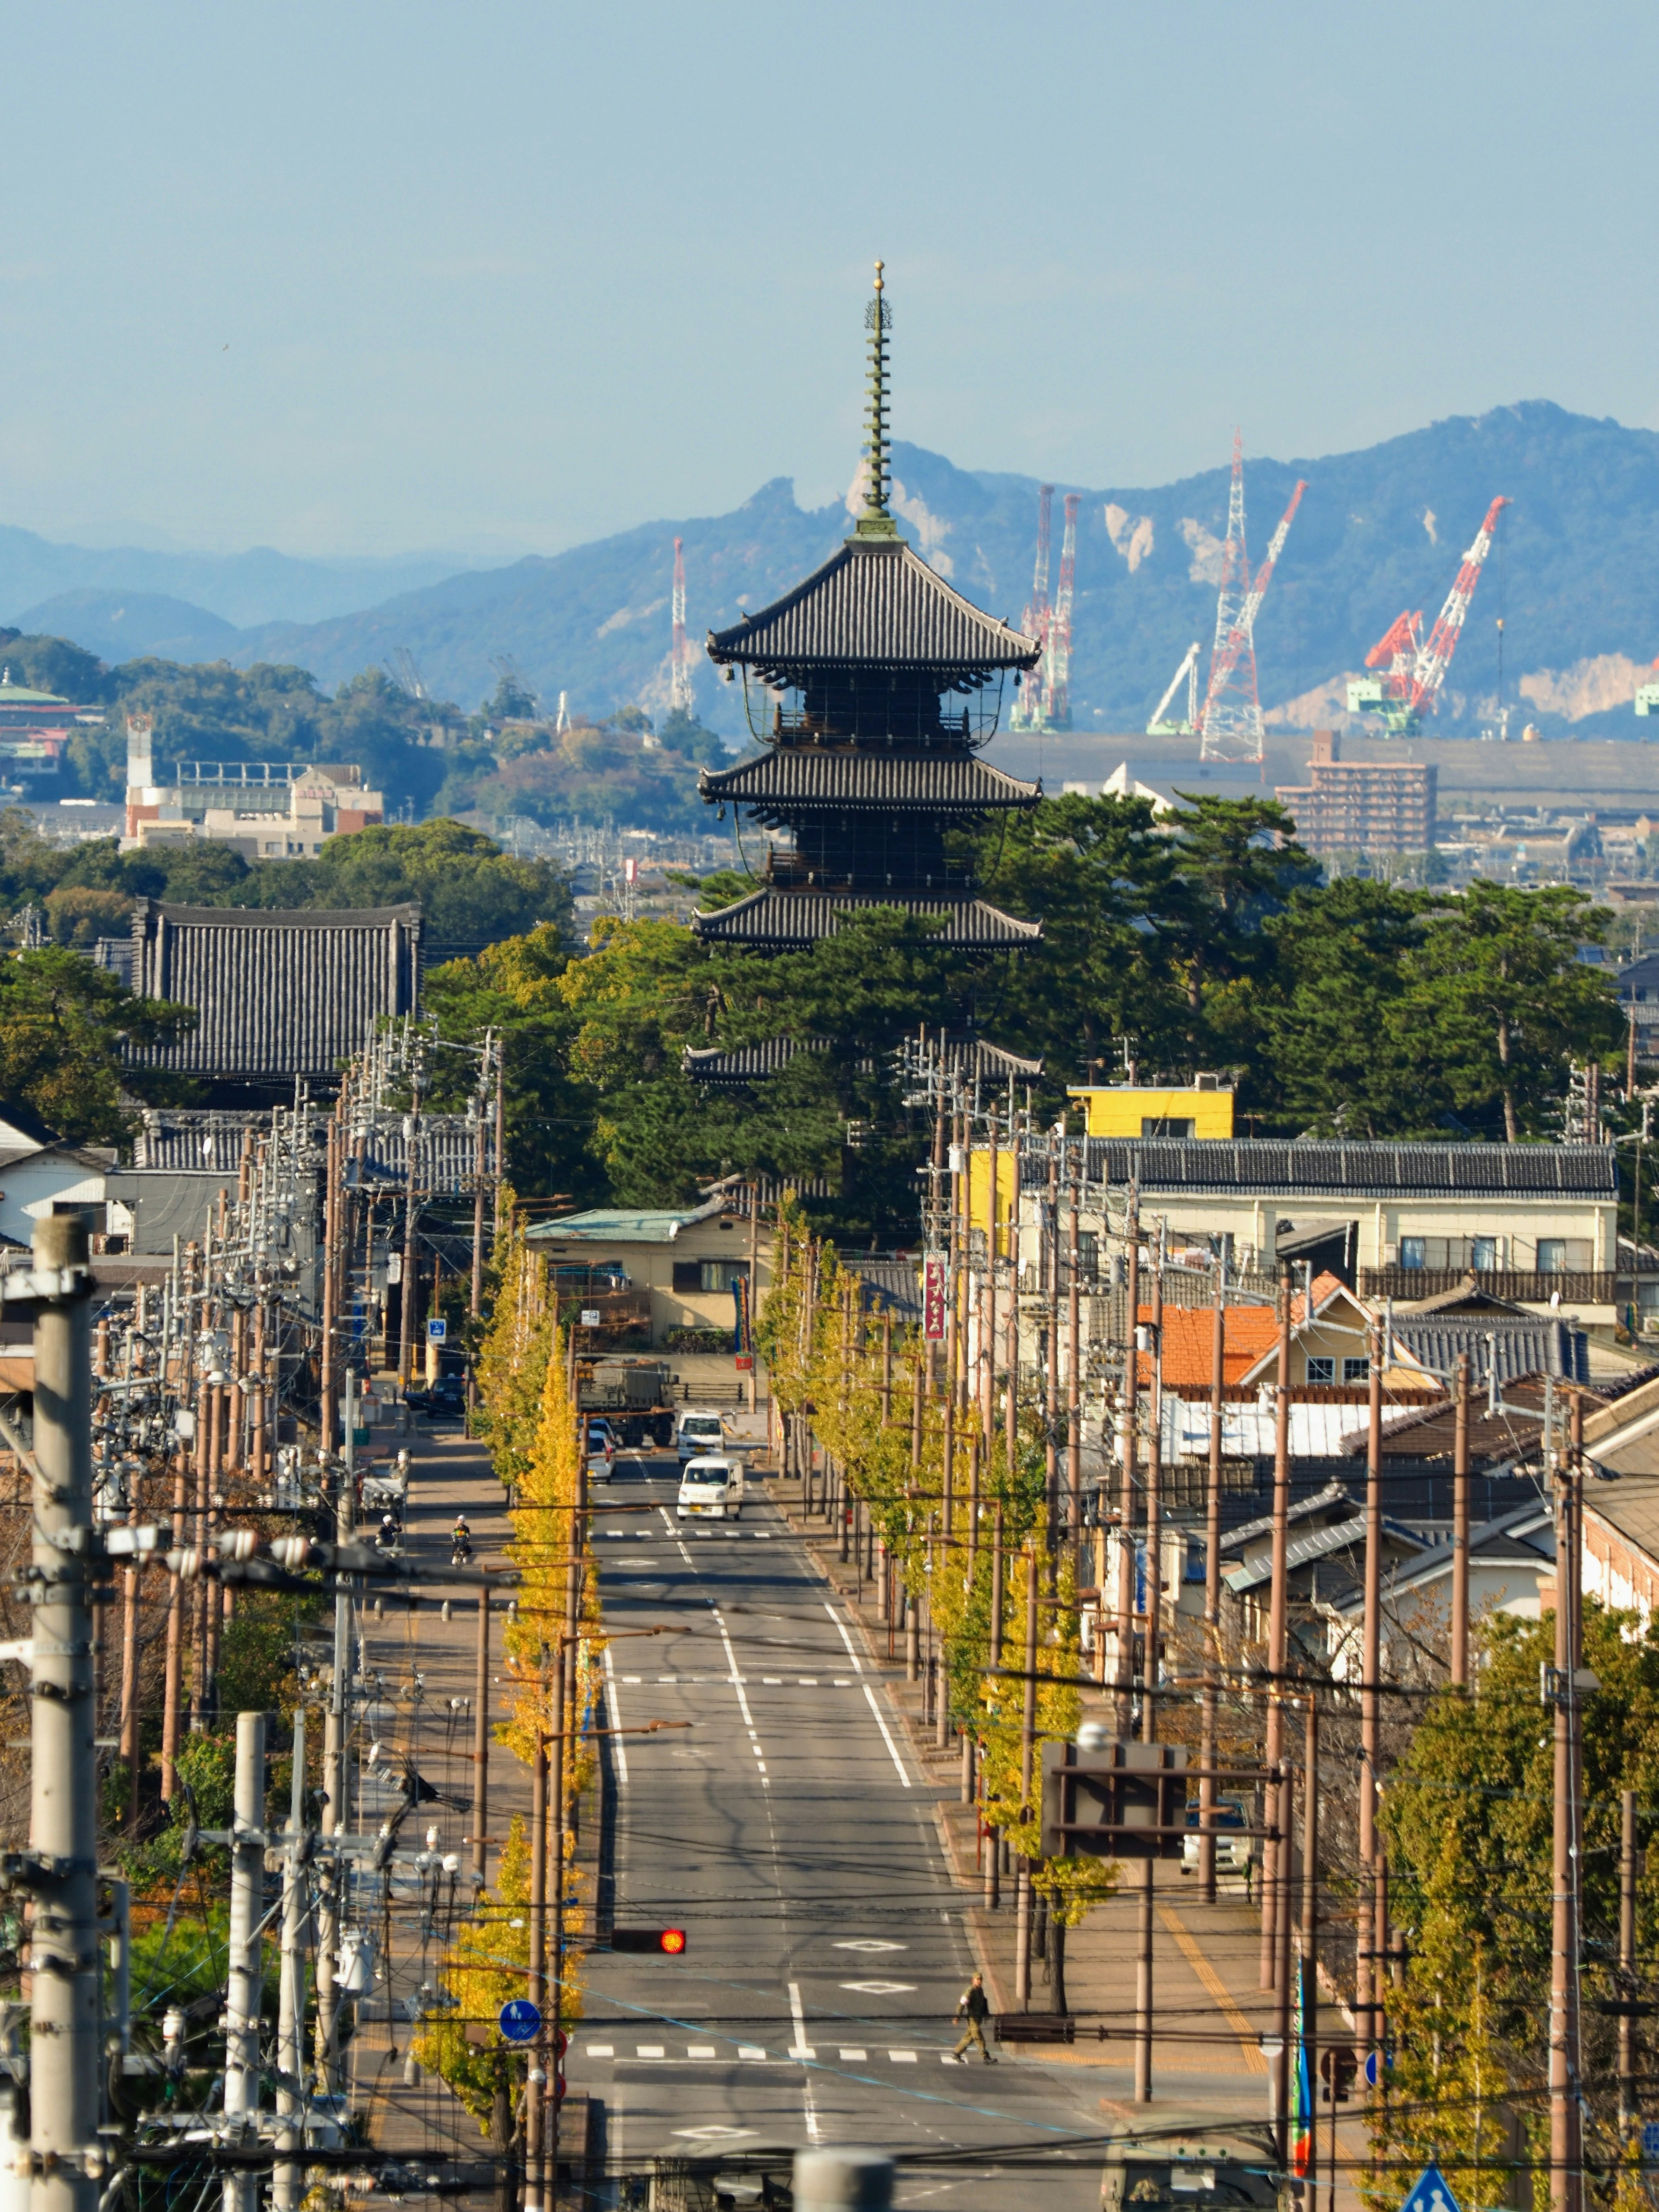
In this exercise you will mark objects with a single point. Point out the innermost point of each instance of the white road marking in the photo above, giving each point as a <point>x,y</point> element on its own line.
<point>903,2057</point>
<point>803,2049</point>
<point>749,2050</point>
<point>868,1943</point>
<point>617,1743</point>
<point>701,2050</point>
<point>886,1735</point>
<point>861,2056</point>
<point>880,1989</point>
<point>646,2050</point>
<point>857,1663</point>
<point>600,2051</point>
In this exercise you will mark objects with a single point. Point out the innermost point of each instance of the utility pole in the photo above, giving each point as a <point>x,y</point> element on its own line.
<point>247,1870</point>
<point>1213,1588</point>
<point>1276,1850</point>
<point>66,2159</point>
<point>1125,1593</point>
<point>286,2180</point>
<point>481,1746</point>
<point>1307,1965</point>
<point>1566,2126</point>
<point>1368,1993</point>
<point>1629,1866</point>
<point>1460,1569</point>
<point>1027,1763</point>
<point>1074,1346</point>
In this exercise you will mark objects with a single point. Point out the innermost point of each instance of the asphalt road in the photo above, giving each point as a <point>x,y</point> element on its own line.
<point>788,1832</point>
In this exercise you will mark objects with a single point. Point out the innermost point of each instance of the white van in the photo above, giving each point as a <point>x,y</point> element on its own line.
<point>711,1489</point>
<point>699,1432</point>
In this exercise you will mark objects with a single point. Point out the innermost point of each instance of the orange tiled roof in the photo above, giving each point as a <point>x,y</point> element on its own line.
<point>1189,1345</point>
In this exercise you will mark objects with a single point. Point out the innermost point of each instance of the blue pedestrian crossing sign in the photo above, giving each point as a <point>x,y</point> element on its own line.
<point>1429,2193</point>
<point>1650,2142</point>
<point>520,2022</point>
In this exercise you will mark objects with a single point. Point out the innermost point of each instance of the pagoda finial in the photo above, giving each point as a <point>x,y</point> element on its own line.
<point>876,521</point>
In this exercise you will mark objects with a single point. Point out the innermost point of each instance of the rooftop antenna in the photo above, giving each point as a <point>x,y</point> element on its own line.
<point>876,521</point>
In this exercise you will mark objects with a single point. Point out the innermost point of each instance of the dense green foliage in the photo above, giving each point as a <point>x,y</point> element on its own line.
<point>1467,1814</point>
<point>63,1023</point>
<point>1206,942</point>
<point>471,894</point>
<point>617,769</point>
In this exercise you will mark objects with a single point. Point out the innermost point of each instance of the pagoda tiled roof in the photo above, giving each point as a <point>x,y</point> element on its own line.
<point>799,918</point>
<point>791,778</point>
<point>734,1065</point>
<point>873,605</point>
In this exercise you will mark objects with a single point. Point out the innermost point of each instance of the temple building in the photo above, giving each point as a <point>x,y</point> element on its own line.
<point>873,687</point>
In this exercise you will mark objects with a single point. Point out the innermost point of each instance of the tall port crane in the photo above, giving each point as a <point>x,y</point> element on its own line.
<point>1158,727</point>
<point>1030,706</point>
<point>679,684</point>
<point>1057,682</point>
<point>1415,671</point>
<point>1229,721</point>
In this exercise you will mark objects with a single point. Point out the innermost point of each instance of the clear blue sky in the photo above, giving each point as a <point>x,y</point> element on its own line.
<point>375,277</point>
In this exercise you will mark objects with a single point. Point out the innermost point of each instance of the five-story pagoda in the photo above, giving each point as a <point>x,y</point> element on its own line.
<point>889,683</point>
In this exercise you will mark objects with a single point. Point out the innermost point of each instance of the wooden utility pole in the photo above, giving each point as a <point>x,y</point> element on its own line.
<point>1074,1347</point>
<point>1629,1866</point>
<point>1275,1853</point>
<point>1124,1595</point>
<point>1368,1970</point>
<point>1213,1588</point>
<point>1027,1769</point>
<point>1308,1965</point>
<point>1566,2125</point>
<point>1149,1668</point>
<point>1460,1565</point>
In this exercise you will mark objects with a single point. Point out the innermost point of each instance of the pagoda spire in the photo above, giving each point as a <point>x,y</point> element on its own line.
<point>877,521</point>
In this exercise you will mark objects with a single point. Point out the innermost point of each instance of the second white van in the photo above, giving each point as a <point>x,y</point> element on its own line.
<point>711,1489</point>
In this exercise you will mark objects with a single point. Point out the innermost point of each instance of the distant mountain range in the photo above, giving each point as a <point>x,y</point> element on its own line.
<point>1575,576</point>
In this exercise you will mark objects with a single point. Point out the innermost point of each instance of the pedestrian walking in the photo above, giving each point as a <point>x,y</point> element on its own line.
<point>975,2006</point>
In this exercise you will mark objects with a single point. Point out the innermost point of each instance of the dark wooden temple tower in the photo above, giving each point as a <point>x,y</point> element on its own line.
<point>890,683</point>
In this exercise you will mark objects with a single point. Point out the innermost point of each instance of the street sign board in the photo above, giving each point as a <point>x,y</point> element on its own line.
<point>1119,1801</point>
<point>1650,2142</point>
<point>1429,2193</point>
<point>591,1316</point>
<point>520,2020</point>
<point>436,1331</point>
<point>934,1296</point>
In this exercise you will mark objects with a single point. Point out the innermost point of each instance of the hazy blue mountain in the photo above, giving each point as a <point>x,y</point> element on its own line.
<point>1576,576</point>
<point>126,625</point>
<point>256,586</point>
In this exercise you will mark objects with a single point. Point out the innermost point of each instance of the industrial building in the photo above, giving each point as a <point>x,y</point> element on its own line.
<point>1361,806</point>
<point>264,810</point>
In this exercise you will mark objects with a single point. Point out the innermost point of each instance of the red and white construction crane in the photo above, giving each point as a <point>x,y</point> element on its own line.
<point>679,680</point>
<point>1415,671</point>
<point>1030,707</point>
<point>1229,721</point>
<point>1057,674</point>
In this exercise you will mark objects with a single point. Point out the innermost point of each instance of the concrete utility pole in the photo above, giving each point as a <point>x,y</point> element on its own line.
<point>1566,2123</point>
<point>66,2159</point>
<point>481,1746</point>
<point>1368,1971</point>
<point>247,1870</point>
<point>286,2180</point>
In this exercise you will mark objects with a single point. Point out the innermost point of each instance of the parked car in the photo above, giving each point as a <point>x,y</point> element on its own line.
<point>444,1400</point>
<point>711,1489</point>
<point>1233,1850</point>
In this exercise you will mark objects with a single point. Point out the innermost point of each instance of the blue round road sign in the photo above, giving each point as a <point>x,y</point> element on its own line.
<point>520,2020</point>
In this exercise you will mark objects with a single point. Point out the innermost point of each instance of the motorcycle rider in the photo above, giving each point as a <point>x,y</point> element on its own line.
<point>461,1541</point>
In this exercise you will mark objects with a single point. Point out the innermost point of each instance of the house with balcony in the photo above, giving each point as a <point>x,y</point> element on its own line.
<point>656,1277</point>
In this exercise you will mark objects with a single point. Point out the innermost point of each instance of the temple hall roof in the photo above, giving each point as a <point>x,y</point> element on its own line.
<point>873,604</point>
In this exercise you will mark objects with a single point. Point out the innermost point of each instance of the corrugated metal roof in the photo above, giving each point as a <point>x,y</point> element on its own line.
<point>278,995</point>
<point>617,1226</point>
<point>1326,1169</point>
<point>788,918</point>
<point>874,607</point>
<point>891,1285</point>
<point>795,779</point>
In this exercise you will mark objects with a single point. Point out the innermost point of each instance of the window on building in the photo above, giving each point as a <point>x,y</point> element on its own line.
<point>1357,1371</point>
<point>1321,1369</point>
<point>1483,1255</point>
<point>1564,1256</point>
<point>1168,1125</point>
<point>692,1278</point>
<point>1413,1252</point>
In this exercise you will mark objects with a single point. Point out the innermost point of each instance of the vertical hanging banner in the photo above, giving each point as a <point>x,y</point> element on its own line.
<point>742,1343</point>
<point>1302,2105</point>
<point>933,1297</point>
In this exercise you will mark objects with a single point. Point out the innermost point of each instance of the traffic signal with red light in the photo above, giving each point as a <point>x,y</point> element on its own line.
<point>670,1941</point>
